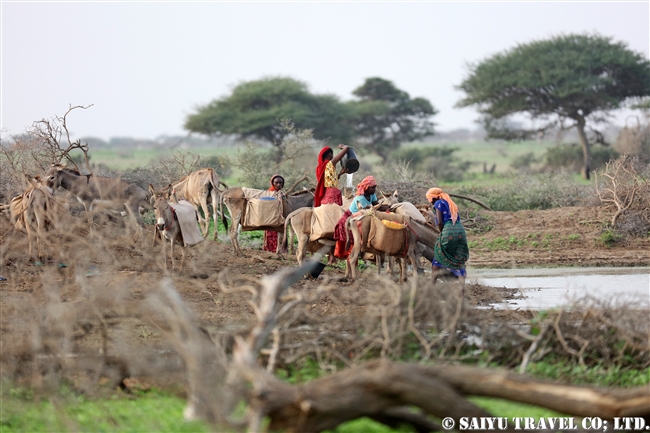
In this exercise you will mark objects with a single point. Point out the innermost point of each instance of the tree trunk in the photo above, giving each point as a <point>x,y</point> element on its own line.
<point>586,151</point>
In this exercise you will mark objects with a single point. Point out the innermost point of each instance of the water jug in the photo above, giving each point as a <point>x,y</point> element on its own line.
<point>350,161</point>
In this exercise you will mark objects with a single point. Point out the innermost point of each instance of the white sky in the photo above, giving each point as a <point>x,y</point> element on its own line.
<point>146,65</point>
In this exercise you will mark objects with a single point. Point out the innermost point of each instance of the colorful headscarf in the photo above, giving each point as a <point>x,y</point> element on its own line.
<point>320,176</point>
<point>436,193</point>
<point>366,183</point>
<point>272,178</point>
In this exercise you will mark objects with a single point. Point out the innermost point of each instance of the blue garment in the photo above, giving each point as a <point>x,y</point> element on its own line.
<point>360,202</point>
<point>443,206</point>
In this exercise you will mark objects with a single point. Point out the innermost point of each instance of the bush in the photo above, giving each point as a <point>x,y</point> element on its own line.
<point>570,156</point>
<point>635,141</point>
<point>440,160</point>
<point>530,192</point>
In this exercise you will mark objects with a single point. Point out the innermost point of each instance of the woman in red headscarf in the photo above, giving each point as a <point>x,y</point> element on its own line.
<point>271,237</point>
<point>327,188</point>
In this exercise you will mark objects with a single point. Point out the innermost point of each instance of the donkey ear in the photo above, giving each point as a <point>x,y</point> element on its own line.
<point>169,190</point>
<point>152,190</point>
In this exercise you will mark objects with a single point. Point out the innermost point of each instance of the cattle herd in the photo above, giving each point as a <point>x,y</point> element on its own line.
<point>182,216</point>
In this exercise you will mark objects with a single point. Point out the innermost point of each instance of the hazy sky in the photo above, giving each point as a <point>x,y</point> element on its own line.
<point>146,65</point>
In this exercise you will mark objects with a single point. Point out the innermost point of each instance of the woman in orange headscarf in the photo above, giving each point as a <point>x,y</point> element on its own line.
<point>365,198</point>
<point>327,188</point>
<point>451,251</point>
<point>271,237</point>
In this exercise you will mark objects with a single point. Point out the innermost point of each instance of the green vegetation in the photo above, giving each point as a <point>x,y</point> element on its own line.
<point>567,81</point>
<point>253,109</point>
<point>385,117</point>
<point>609,237</point>
<point>24,411</point>
<point>67,412</point>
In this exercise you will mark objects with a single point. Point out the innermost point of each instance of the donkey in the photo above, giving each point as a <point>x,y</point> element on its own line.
<point>92,191</point>
<point>167,223</point>
<point>415,231</point>
<point>235,200</point>
<point>196,187</point>
<point>300,221</point>
<point>35,211</point>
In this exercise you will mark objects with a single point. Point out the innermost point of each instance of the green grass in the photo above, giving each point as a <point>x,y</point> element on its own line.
<point>22,411</point>
<point>502,154</point>
<point>122,159</point>
<point>147,412</point>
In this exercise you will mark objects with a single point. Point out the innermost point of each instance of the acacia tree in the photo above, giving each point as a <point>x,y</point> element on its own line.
<point>254,109</point>
<point>386,117</point>
<point>566,81</point>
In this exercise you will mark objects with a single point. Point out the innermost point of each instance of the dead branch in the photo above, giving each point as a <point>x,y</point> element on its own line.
<point>298,182</point>
<point>473,200</point>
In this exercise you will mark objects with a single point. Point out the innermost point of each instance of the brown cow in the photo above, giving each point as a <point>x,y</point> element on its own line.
<point>195,188</point>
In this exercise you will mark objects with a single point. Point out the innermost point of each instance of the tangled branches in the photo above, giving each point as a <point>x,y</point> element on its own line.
<point>625,188</point>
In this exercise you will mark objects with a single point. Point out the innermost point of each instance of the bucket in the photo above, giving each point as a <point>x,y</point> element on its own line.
<point>315,272</point>
<point>350,161</point>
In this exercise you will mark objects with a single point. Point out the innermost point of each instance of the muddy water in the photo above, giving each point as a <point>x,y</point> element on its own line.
<point>559,287</point>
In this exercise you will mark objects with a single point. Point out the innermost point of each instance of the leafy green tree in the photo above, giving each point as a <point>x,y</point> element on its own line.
<point>386,117</point>
<point>565,82</point>
<point>254,109</point>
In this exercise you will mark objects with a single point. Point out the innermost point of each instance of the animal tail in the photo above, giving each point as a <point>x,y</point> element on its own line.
<point>215,181</point>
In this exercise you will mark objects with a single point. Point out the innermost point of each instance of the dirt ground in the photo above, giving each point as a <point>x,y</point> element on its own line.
<point>112,266</point>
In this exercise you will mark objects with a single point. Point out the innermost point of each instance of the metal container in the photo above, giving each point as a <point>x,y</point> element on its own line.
<point>314,273</point>
<point>350,161</point>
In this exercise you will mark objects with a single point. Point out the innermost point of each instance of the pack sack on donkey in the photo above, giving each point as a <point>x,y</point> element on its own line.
<point>264,213</point>
<point>323,221</point>
<point>387,236</point>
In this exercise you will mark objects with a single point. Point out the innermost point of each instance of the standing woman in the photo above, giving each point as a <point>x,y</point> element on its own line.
<point>270,236</point>
<point>327,188</point>
<point>451,251</point>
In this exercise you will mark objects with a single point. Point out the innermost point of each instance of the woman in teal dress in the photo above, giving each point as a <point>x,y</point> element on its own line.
<point>451,251</point>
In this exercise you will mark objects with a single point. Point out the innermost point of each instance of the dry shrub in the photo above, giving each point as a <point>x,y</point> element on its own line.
<point>624,188</point>
<point>634,140</point>
<point>115,317</point>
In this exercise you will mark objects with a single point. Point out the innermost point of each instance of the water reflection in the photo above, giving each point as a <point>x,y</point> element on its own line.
<point>556,287</point>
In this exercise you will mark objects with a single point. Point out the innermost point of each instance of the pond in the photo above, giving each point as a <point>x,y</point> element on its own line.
<point>544,288</point>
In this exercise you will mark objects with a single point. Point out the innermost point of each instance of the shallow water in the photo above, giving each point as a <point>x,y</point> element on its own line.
<point>559,287</point>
